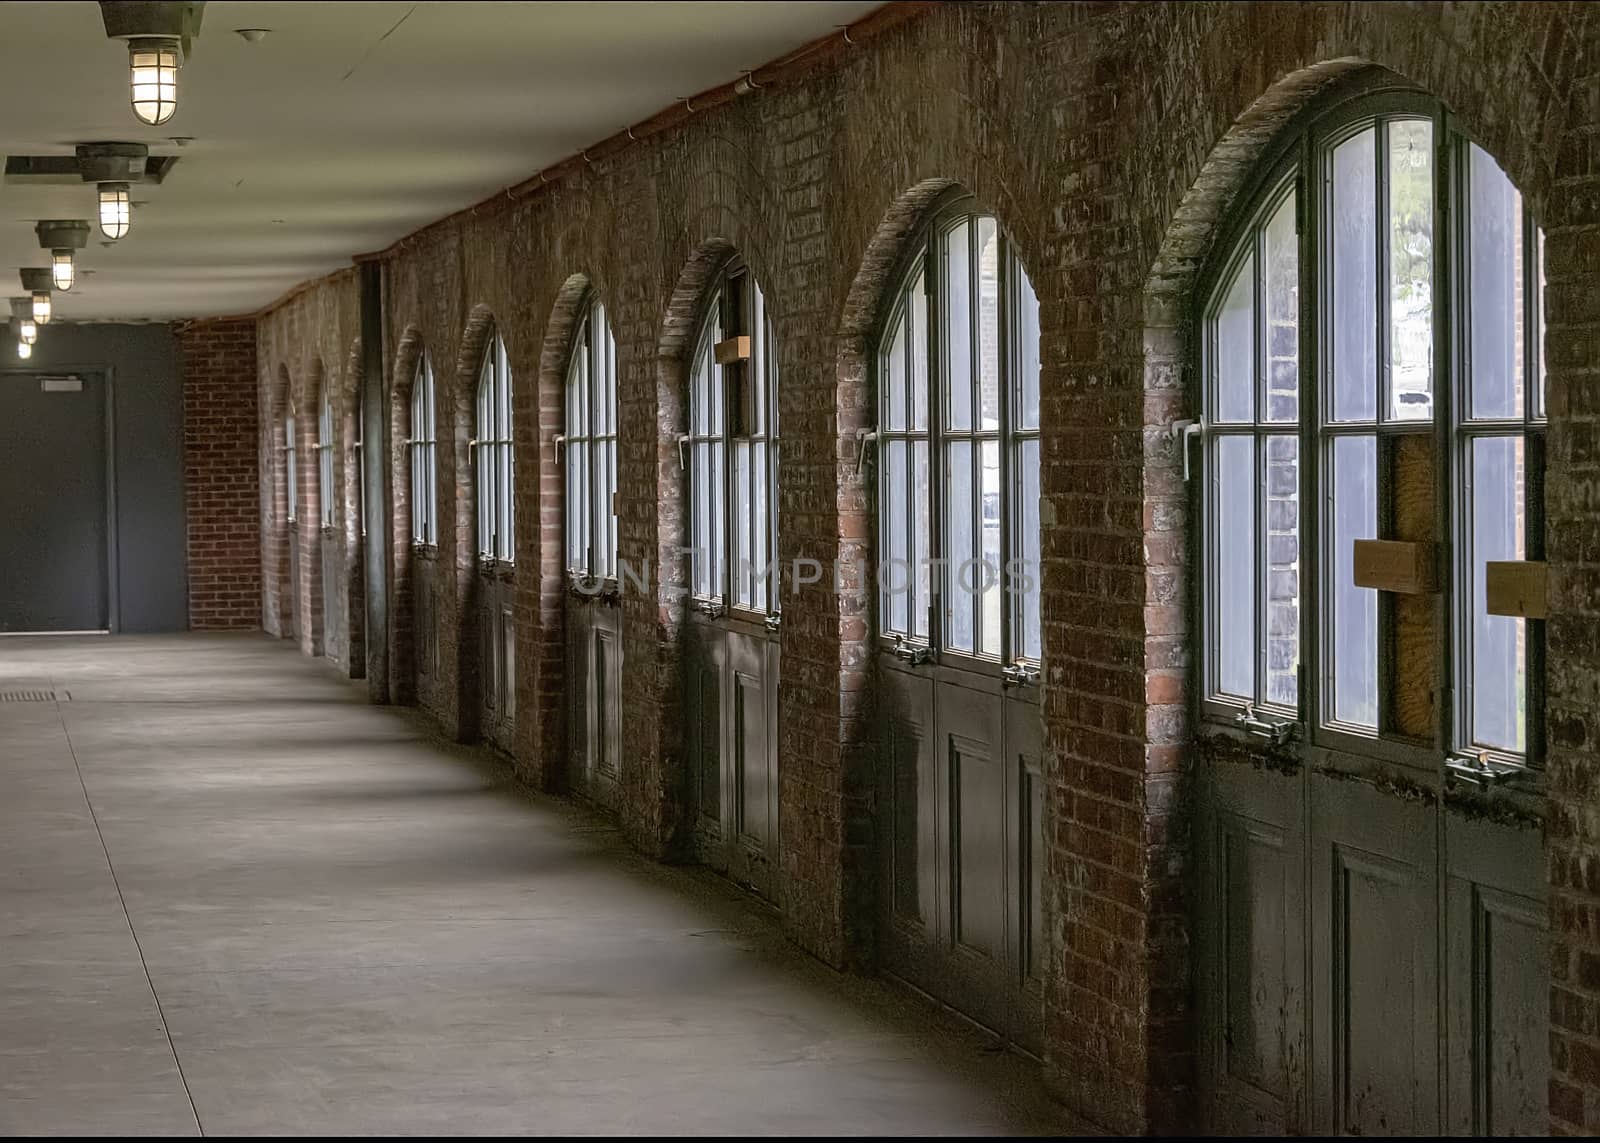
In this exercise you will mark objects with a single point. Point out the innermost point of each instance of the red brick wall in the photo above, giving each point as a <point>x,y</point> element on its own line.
<point>220,473</point>
<point>1109,138</point>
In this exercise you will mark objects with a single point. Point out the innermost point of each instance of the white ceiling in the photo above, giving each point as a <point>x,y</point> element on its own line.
<point>349,126</point>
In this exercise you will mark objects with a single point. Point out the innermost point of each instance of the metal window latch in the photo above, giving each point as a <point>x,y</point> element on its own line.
<point>1480,771</point>
<point>1182,432</point>
<point>1019,675</point>
<point>683,450</point>
<point>710,608</point>
<point>864,437</point>
<point>913,653</point>
<point>473,443</point>
<point>774,621</point>
<point>560,441</point>
<point>1277,733</point>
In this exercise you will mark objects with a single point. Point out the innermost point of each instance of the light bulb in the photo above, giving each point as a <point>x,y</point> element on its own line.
<point>153,79</point>
<point>115,217</point>
<point>41,307</point>
<point>24,350</point>
<point>63,271</point>
<point>27,331</point>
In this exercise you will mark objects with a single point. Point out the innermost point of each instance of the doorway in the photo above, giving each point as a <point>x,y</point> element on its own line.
<point>56,545</point>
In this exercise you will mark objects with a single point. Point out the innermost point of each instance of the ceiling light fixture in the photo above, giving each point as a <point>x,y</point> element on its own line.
<point>62,237</point>
<point>22,319</point>
<point>153,78</point>
<point>36,280</point>
<point>159,37</point>
<point>116,213</point>
<point>112,167</point>
<point>24,351</point>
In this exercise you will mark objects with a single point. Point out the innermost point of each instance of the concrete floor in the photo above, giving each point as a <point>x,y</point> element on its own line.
<point>236,899</point>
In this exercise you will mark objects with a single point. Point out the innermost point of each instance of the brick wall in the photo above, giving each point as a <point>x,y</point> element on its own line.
<point>220,473</point>
<point>1109,139</point>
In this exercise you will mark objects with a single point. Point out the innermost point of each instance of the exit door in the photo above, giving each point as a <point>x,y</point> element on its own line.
<point>54,529</point>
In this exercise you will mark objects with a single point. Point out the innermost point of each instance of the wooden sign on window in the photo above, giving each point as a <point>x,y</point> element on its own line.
<point>1400,566</point>
<point>1515,587</point>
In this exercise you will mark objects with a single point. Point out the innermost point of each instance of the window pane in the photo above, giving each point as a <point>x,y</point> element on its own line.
<point>1354,348</point>
<point>1411,269</point>
<point>962,551</point>
<point>1234,369</point>
<point>1495,326</point>
<point>291,478</point>
<point>1028,461</point>
<point>1499,642</point>
<point>741,524</point>
<point>894,375</point>
<point>986,576</point>
<point>1281,298</point>
<point>718,535</point>
<point>919,354</point>
<point>988,324</point>
<point>894,503</point>
<point>760,556</point>
<point>1029,361</point>
<point>1233,495</point>
<point>1353,638</point>
<point>957,327</point>
<point>700,477</point>
<point>611,508</point>
<point>1283,570</point>
<point>921,538</point>
<point>1538,344</point>
<point>577,500</point>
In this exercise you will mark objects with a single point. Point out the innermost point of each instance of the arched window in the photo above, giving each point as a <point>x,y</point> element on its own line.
<point>1371,348</point>
<point>591,449</point>
<point>325,446</point>
<point>291,465</point>
<point>958,394</point>
<point>424,462</point>
<point>495,464</point>
<point>733,450</point>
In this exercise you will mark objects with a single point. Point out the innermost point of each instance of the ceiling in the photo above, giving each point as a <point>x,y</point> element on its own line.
<point>346,128</point>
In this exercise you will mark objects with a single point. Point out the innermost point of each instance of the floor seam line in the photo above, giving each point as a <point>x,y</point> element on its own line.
<point>128,918</point>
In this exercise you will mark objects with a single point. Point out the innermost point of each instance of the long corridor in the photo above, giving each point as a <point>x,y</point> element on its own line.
<point>236,899</point>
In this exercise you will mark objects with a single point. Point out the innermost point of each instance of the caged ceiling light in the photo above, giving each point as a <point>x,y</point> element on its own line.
<point>153,78</point>
<point>159,37</point>
<point>22,319</point>
<point>62,237</point>
<point>24,351</point>
<point>36,280</point>
<point>113,167</point>
<point>115,210</point>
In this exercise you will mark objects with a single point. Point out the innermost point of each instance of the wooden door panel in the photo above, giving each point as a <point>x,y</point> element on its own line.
<point>1374,960</point>
<point>977,860</point>
<point>1497,1013</point>
<point>1255,890</point>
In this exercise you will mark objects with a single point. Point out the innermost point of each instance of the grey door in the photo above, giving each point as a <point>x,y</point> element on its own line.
<point>961,816</point>
<point>594,695</point>
<point>497,588</point>
<point>733,750</point>
<point>424,624</point>
<point>1334,911</point>
<point>53,521</point>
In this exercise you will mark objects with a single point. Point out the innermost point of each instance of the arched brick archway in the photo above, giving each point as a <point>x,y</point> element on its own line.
<point>543,734</point>
<point>466,657</point>
<point>348,481</point>
<point>1205,127</point>
<point>403,634</point>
